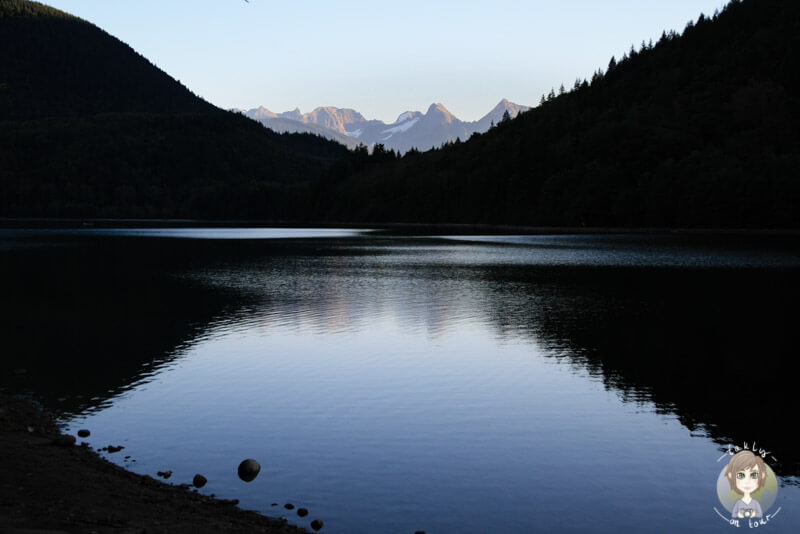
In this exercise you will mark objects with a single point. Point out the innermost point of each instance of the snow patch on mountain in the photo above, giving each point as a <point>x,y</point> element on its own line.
<point>402,127</point>
<point>412,129</point>
<point>405,116</point>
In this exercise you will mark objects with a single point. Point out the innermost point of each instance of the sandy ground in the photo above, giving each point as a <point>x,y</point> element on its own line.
<point>51,488</point>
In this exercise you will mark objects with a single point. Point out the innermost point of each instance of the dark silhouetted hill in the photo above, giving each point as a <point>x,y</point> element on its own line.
<point>53,63</point>
<point>695,130</point>
<point>88,127</point>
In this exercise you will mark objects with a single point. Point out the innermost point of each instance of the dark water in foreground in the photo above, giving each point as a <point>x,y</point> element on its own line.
<point>394,384</point>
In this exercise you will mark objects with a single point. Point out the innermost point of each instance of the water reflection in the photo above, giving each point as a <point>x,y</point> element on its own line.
<point>83,320</point>
<point>409,380</point>
<point>703,329</point>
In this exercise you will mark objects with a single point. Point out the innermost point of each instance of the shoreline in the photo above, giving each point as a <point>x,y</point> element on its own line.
<point>54,487</point>
<point>400,228</point>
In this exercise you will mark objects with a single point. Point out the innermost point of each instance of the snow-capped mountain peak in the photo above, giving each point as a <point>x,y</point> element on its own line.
<point>412,129</point>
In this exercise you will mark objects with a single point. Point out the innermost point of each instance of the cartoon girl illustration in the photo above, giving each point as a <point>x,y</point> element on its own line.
<point>746,473</point>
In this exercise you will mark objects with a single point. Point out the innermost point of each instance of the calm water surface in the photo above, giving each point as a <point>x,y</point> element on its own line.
<point>445,384</point>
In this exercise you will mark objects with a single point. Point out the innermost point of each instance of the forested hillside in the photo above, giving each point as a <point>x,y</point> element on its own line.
<point>698,129</point>
<point>694,130</point>
<point>88,127</point>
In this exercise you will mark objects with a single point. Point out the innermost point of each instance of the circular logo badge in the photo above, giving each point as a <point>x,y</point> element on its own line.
<point>747,487</point>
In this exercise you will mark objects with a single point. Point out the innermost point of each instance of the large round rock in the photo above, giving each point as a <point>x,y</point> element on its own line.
<point>248,470</point>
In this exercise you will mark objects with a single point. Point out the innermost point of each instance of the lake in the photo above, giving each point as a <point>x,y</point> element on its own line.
<point>394,384</point>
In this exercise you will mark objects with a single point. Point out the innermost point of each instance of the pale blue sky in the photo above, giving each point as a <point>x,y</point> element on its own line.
<point>382,58</point>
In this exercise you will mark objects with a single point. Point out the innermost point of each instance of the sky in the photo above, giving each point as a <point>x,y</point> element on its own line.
<point>379,57</point>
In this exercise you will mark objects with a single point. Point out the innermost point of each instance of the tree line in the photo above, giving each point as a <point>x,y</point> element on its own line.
<point>698,129</point>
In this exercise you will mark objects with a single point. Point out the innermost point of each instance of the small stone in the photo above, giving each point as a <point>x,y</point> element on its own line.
<point>83,433</point>
<point>112,449</point>
<point>199,481</point>
<point>316,524</point>
<point>64,440</point>
<point>164,474</point>
<point>302,512</point>
<point>31,429</point>
<point>289,506</point>
<point>420,532</point>
<point>248,470</point>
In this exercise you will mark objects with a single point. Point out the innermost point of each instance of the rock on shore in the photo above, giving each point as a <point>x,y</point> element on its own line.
<point>45,486</point>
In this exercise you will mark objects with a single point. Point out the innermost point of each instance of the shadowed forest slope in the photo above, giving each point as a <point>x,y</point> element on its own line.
<point>88,127</point>
<point>695,130</point>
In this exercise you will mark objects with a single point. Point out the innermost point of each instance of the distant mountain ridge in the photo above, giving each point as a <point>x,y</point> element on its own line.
<point>291,122</point>
<point>412,129</point>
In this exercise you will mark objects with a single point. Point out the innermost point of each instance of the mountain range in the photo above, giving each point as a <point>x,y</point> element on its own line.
<point>412,129</point>
<point>698,129</point>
